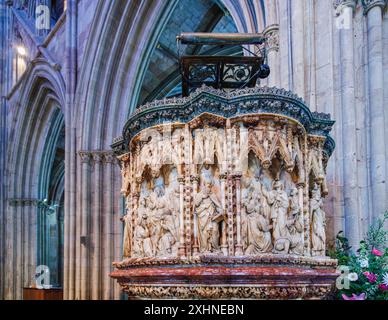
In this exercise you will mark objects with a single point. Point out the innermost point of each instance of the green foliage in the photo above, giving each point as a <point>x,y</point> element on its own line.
<point>368,268</point>
<point>377,235</point>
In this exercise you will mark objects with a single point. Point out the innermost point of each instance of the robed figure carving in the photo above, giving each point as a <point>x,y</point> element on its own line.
<point>208,210</point>
<point>295,224</point>
<point>256,226</point>
<point>142,244</point>
<point>318,236</point>
<point>278,199</point>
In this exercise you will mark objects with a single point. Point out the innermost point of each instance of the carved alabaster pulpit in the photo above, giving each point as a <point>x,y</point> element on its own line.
<point>224,197</point>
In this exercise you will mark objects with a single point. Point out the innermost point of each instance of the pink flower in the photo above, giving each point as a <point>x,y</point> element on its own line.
<point>383,287</point>
<point>354,297</point>
<point>370,276</point>
<point>377,252</point>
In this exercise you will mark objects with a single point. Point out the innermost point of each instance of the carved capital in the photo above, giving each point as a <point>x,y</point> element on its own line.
<point>124,157</point>
<point>300,185</point>
<point>109,157</point>
<point>237,176</point>
<point>22,202</point>
<point>85,156</point>
<point>97,157</point>
<point>341,4</point>
<point>194,179</point>
<point>369,4</point>
<point>272,35</point>
<point>181,179</point>
<point>223,176</point>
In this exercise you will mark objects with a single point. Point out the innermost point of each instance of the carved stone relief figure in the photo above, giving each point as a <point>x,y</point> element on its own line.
<point>295,224</point>
<point>173,205</point>
<point>278,199</point>
<point>142,244</point>
<point>234,209</point>
<point>208,210</point>
<point>169,223</point>
<point>257,229</point>
<point>318,236</point>
<point>167,237</point>
<point>126,174</point>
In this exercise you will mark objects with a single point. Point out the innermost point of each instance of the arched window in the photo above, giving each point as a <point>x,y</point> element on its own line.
<point>19,57</point>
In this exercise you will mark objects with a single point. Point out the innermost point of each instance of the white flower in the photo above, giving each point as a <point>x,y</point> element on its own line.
<point>353,276</point>
<point>364,263</point>
<point>385,278</point>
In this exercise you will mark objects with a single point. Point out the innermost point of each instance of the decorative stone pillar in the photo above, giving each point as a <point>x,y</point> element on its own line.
<point>239,246</point>
<point>230,216</point>
<point>224,240</point>
<point>187,191</point>
<point>302,206</point>
<point>373,9</point>
<point>194,182</point>
<point>182,247</point>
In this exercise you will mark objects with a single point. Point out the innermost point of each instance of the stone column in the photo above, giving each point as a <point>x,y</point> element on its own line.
<point>306,201</point>
<point>85,170</point>
<point>70,71</point>
<point>373,9</point>
<point>297,42</point>
<point>181,248</point>
<point>239,246</point>
<point>224,245</point>
<point>272,34</point>
<point>300,187</point>
<point>345,9</point>
<point>187,205</point>
<point>109,161</point>
<point>195,181</point>
<point>95,235</point>
<point>187,189</point>
<point>230,223</point>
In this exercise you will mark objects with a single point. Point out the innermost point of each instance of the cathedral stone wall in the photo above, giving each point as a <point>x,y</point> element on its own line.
<point>90,70</point>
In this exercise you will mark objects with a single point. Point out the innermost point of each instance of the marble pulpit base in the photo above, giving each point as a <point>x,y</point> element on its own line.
<point>270,277</point>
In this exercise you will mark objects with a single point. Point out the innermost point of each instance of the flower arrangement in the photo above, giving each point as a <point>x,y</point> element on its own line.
<point>368,267</point>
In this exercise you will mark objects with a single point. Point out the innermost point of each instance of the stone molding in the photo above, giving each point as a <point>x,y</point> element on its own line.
<point>264,259</point>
